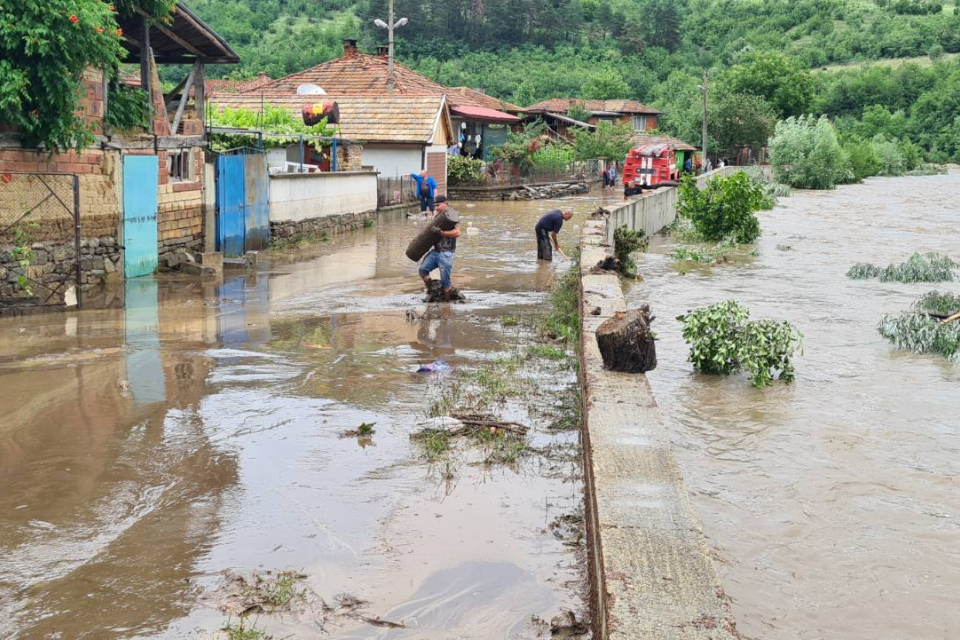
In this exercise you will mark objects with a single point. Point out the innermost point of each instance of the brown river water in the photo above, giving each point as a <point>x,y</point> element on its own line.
<point>832,504</point>
<point>146,451</point>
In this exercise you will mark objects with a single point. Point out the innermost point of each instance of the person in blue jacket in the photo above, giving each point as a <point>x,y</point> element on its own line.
<point>426,188</point>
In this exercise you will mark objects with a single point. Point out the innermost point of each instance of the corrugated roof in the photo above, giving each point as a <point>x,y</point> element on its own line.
<point>618,106</point>
<point>397,118</point>
<point>642,139</point>
<point>483,113</point>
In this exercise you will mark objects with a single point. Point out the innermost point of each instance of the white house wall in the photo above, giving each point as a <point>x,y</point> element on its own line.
<point>303,196</point>
<point>392,161</point>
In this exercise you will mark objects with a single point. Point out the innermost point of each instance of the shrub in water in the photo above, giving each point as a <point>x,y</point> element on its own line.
<point>938,303</point>
<point>723,340</point>
<point>625,243</point>
<point>921,333</point>
<point>725,208</point>
<point>807,155</point>
<point>920,267</point>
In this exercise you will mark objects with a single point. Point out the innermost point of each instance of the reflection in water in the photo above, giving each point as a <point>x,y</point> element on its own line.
<point>144,451</point>
<point>832,503</point>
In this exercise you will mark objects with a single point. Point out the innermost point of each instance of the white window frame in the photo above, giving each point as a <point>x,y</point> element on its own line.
<point>639,123</point>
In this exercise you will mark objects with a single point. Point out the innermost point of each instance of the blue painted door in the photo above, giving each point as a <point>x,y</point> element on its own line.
<point>257,201</point>
<point>231,216</point>
<point>139,215</point>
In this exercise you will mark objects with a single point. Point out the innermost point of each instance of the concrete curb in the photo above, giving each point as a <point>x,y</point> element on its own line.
<point>653,578</point>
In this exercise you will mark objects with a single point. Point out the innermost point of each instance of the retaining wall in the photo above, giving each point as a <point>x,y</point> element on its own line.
<point>655,210</point>
<point>653,576</point>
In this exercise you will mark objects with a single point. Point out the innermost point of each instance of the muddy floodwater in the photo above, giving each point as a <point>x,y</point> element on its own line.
<point>832,504</point>
<point>148,451</point>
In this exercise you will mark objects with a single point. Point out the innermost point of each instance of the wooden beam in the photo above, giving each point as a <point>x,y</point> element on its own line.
<point>206,33</point>
<point>170,34</point>
<point>165,59</point>
<point>200,96</point>
<point>145,79</point>
<point>168,97</point>
<point>184,98</point>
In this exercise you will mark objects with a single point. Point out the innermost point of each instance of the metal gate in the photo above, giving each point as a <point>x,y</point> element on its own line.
<point>243,196</point>
<point>140,176</point>
<point>40,249</point>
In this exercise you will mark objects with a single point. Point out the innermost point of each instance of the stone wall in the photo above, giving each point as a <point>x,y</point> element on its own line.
<point>288,231</point>
<point>519,192</point>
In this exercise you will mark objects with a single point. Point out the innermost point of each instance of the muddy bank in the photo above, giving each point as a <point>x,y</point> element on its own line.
<point>831,503</point>
<point>147,452</point>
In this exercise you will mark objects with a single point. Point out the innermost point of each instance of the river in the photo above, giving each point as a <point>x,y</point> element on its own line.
<point>832,505</point>
<point>150,452</point>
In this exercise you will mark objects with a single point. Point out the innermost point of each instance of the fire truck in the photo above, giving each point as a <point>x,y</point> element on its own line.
<point>650,165</point>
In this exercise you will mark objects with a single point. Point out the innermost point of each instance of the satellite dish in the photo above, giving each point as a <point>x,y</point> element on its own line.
<point>310,90</point>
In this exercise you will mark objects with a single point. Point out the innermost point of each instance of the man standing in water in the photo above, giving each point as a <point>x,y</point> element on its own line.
<point>426,188</point>
<point>441,256</point>
<point>547,229</point>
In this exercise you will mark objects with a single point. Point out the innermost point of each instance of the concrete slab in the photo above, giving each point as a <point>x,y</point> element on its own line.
<point>654,578</point>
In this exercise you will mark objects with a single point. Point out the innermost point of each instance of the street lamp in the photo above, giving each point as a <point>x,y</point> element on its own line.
<point>390,26</point>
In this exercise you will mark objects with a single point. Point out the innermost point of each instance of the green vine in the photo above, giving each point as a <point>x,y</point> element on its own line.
<point>271,120</point>
<point>126,108</point>
<point>24,256</point>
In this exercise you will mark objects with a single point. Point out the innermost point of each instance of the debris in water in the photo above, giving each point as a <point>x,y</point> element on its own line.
<point>435,293</point>
<point>266,592</point>
<point>434,367</point>
<point>566,626</point>
<point>364,430</point>
<point>414,316</point>
<point>568,528</point>
<point>377,622</point>
<point>595,311</point>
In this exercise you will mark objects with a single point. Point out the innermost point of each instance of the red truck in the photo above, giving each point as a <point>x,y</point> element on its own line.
<point>650,165</point>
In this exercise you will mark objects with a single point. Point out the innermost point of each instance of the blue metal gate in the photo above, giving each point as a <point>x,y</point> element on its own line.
<point>231,223</point>
<point>243,197</point>
<point>140,174</point>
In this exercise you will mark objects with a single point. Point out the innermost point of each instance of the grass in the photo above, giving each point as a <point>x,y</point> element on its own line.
<point>562,318</point>
<point>366,429</point>
<point>240,631</point>
<point>511,321</point>
<point>368,223</point>
<point>435,443</point>
<point>920,267</point>
<point>281,590</point>
<point>546,351</point>
<point>502,448</point>
<point>571,410</point>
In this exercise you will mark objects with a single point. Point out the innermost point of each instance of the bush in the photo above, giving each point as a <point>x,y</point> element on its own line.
<point>806,154</point>
<point>938,303</point>
<point>462,169</point>
<point>553,157</point>
<point>725,208</point>
<point>921,333</point>
<point>625,243</point>
<point>920,267</point>
<point>864,161</point>
<point>723,341</point>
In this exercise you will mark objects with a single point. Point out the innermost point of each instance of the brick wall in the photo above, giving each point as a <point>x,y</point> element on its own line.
<point>349,157</point>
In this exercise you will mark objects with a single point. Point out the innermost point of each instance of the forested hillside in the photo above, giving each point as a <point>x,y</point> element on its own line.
<point>651,50</point>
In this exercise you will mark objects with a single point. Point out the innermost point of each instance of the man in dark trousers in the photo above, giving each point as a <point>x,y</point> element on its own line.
<point>547,230</point>
<point>441,256</point>
<point>426,189</point>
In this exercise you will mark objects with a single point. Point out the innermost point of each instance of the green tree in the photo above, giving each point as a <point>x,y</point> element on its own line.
<point>741,120</point>
<point>806,154</point>
<point>608,141</point>
<point>45,48</point>
<point>725,208</point>
<point>775,77</point>
<point>578,111</point>
<point>606,84</point>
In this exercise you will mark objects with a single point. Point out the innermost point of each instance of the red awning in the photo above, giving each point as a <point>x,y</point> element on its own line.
<point>483,113</point>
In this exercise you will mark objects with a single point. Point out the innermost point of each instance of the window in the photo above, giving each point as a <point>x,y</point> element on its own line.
<point>180,166</point>
<point>639,123</point>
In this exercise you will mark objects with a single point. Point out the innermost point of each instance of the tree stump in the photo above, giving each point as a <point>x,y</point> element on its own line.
<point>427,237</point>
<point>626,343</point>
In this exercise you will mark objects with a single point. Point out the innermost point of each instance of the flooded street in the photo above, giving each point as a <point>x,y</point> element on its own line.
<point>146,452</point>
<point>832,504</point>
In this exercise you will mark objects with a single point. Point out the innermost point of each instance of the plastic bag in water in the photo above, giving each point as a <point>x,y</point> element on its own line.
<point>434,367</point>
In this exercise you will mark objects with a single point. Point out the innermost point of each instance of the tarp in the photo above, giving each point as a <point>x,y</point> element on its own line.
<point>483,113</point>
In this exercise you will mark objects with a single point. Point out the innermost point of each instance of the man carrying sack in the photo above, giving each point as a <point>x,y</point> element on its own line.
<point>547,229</point>
<point>441,256</point>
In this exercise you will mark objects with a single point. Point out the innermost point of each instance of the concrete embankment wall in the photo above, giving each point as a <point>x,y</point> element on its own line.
<point>308,204</point>
<point>653,578</point>
<point>656,209</point>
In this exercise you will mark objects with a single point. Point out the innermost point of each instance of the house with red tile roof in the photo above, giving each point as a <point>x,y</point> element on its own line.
<point>556,113</point>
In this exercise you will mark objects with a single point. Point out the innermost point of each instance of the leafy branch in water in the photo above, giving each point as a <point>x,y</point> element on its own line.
<point>625,243</point>
<point>938,303</point>
<point>922,333</point>
<point>725,208</point>
<point>920,267</point>
<point>723,340</point>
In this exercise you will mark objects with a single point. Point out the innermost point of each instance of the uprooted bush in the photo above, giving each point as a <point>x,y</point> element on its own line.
<point>725,208</point>
<point>920,267</point>
<point>625,244</point>
<point>938,303</point>
<point>723,340</point>
<point>922,333</point>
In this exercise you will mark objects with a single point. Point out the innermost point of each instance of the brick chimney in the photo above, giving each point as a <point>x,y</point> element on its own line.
<point>350,47</point>
<point>383,51</point>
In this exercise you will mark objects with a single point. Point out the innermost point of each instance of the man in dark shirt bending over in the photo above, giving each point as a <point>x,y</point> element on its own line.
<point>547,230</point>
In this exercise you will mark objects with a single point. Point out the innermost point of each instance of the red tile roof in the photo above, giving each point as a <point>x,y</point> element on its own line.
<point>562,105</point>
<point>361,74</point>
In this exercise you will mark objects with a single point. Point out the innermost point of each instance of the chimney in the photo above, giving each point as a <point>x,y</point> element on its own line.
<point>350,47</point>
<point>383,51</point>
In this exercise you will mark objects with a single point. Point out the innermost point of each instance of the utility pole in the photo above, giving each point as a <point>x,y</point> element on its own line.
<point>390,26</point>
<point>705,88</point>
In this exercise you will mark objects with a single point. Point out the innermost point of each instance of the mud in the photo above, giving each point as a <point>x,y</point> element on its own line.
<point>146,451</point>
<point>831,504</point>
